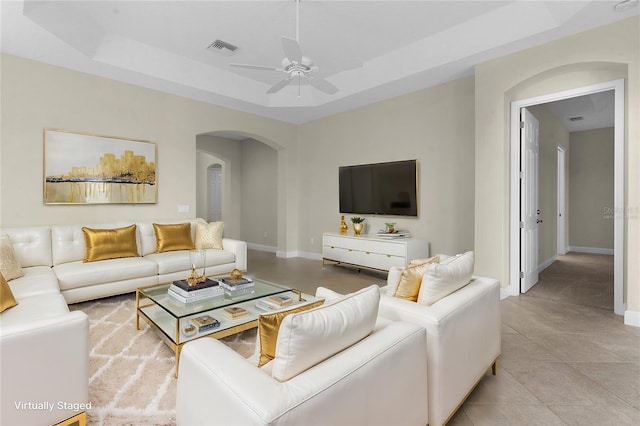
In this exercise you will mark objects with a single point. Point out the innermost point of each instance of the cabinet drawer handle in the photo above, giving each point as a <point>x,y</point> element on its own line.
<point>332,247</point>
<point>368,253</point>
<point>350,250</point>
<point>388,255</point>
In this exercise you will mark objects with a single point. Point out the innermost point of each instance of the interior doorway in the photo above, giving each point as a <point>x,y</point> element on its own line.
<point>561,224</point>
<point>516,248</point>
<point>215,188</point>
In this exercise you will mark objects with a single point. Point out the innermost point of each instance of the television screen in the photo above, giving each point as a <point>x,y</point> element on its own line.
<point>381,188</point>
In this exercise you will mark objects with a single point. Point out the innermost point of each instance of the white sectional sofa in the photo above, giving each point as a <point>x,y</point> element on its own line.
<point>53,256</point>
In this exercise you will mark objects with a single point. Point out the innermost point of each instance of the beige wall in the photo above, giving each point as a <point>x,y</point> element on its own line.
<point>434,126</point>
<point>586,58</point>
<point>37,96</point>
<point>259,193</point>
<point>591,172</point>
<point>551,135</point>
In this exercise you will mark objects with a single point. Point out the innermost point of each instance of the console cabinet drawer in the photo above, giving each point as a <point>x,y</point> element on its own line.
<point>371,252</point>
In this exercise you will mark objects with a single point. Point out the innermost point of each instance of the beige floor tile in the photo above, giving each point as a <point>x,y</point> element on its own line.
<point>597,415</point>
<point>511,415</point>
<point>557,383</point>
<point>574,347</point>
<point>620,378</point>
<point>517,348</point>
<point>501,389</point>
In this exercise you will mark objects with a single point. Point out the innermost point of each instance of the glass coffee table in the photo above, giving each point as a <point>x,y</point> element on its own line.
<point>172,319</point>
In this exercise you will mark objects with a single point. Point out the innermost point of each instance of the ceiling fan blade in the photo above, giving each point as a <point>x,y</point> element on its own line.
<point>323,85</point>
<point>279,85</point>
<point>255,67</point>
<point>292,49</point>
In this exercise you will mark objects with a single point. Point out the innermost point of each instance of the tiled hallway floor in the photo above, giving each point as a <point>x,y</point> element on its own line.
<point>562,363</point>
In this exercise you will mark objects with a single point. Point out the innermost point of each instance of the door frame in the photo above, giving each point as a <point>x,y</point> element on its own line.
<point>619,172</point>
<point>561,183</point>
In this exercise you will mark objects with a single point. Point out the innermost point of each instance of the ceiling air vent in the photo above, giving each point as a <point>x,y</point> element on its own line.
<point>579,118</point>
<point>222,47</point>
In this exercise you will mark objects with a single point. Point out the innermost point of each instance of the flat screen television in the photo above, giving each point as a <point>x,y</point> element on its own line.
<point>388,189</point>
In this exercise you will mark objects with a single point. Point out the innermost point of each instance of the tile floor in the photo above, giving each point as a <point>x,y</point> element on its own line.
<point>563,362</point>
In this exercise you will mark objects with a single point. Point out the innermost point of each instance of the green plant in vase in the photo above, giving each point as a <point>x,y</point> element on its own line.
<point>358,225</point>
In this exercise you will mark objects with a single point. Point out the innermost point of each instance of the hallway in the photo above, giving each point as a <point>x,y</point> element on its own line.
<point>578,278</point>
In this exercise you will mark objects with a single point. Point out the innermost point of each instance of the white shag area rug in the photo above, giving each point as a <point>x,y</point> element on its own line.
<point>131,372</point>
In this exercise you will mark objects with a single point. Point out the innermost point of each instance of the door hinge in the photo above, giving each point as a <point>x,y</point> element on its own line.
<point>521,175</point>
<point>521,275</point>
<point>522,124</point>
<point>521,225</point>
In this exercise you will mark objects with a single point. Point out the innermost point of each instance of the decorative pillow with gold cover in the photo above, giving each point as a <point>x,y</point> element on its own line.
<point>209,235</point>
<point>105,244</point>
<point>172,237</point>
<point>9,264</point>
<point>408,285</point>
<point>6,296</point>
<point>269,326</point>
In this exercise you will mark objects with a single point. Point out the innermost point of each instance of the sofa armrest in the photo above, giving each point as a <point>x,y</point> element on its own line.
<point>463,340</point>
<point>217,386</point>
<point>239,249</point>
<point>45,360</point>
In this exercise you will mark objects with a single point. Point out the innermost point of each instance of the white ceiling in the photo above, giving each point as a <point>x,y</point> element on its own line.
<point>371,50</point>
<point>596,111</point>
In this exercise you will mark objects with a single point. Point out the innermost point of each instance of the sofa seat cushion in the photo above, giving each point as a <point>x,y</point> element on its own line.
<point>308,338</point>
<point>30,310</point>
<point>79,274</point>
<point>36,280</point>
<point>176,261</point>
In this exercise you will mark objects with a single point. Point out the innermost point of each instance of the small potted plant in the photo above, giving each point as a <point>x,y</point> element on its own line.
<point>358,225</point>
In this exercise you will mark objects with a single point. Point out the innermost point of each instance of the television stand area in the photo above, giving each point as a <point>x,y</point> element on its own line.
<point>372,251</point>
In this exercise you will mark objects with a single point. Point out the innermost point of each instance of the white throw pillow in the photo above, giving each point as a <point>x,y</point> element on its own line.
<point>308,338</point>
<point>442,279</point>
<point>9,264</point>
<point>209,235</point>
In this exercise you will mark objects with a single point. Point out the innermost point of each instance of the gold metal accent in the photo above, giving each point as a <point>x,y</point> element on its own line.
<point>343,226</point>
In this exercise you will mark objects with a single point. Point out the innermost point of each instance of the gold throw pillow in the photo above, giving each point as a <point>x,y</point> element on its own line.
<point>105,244</point>
<point>6,296</point>
<point>209,235</point>
<point>269,325</point>
<point>9,264</point>
<point>173,237</point>
<point>410,279</point>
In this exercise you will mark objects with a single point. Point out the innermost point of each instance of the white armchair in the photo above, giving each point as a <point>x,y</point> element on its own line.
<point>463,339</point>
<point>376,381</point>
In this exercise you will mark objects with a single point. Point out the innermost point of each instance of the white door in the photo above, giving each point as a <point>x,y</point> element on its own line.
<point>215,193</point>
<point>562,221</point>
<point>529,213</point>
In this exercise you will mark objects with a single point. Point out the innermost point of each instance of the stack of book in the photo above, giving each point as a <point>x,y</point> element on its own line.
<point>237,287</point>
<point>234,312</point>
<point>182,292</point>
<point>271,303</point>
<point>205,322</point>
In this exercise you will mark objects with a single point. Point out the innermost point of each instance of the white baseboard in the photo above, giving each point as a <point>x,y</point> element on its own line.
<point>298,253</point>
<point>591,250</point>
<point>632,318</point>
<point>544,265</point>
<point>261,247</point>
<point>505,292</point>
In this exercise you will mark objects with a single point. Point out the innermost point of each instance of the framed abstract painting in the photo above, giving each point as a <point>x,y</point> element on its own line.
<point>89,169</point>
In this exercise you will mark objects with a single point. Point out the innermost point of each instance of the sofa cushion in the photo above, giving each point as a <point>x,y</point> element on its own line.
<point>444,278</point>
<point>209,235</point>
<point>102,244</point>
<point>79,274</point>
<point>36,280</point>
<point>6,296</point>
<point>33,309</point>
<point>32,245</point>
<point>408,285</point>
<point>176,261</point>
<point>9,264</point>
<point>268,329</point>
<point>308,338</point>
<point>171,237</point>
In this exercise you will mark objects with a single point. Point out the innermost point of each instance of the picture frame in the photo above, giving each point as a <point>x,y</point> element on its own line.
<point>85,169</point>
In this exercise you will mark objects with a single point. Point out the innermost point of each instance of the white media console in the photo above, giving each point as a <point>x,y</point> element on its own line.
<point>372,251</point>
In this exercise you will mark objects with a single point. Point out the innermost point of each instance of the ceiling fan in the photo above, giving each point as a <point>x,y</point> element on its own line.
<point>294,65</point>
